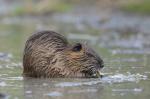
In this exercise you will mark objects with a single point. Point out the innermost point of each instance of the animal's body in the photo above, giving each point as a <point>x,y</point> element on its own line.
<point>49,54</point>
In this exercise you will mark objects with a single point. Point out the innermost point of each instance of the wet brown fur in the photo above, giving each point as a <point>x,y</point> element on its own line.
<point>48,54</point>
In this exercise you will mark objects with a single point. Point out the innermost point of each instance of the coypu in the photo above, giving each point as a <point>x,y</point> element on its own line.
<point>48,54</point>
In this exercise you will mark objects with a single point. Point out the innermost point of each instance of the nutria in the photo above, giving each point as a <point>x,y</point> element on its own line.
<point>48,54</point>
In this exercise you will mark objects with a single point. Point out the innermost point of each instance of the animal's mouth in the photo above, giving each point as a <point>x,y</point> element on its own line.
<point>92,73</point>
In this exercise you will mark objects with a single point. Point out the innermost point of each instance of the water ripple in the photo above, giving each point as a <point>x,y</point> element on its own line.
<point>118,78</point>
<point>54,94</point>
<point>5,56</point>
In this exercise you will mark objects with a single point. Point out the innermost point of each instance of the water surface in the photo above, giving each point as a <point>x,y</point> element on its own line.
<point>122,40</point>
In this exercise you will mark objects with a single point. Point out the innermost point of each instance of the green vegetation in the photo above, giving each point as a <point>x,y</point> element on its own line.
<point>141,7</point>
<point>40,8</point>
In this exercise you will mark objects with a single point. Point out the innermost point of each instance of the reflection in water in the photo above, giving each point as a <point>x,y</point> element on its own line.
<point>44,89</point>
<point>77,88</point>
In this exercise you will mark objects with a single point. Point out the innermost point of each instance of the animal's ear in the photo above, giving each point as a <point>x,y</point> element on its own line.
<point>77,47</point>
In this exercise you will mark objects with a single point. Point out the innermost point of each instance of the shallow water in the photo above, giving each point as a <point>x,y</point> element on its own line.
<point>124,48</point>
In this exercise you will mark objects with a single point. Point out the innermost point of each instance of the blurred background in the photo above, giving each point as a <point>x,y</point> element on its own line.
<point>119,30</point>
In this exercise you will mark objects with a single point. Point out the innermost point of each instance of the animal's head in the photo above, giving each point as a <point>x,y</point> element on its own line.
<point>83,61</point>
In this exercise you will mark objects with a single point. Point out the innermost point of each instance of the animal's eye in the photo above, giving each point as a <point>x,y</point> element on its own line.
<point>77,47</point>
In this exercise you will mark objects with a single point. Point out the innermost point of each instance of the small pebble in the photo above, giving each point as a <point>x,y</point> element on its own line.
<point>2,96</point>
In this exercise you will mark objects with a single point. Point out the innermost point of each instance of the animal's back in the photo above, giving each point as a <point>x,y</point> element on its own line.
<point>40,50</point>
